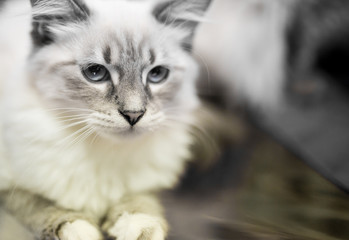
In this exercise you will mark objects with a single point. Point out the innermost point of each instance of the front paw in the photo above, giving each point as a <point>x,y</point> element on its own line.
<point>78,230</point>
<point>139,227</point>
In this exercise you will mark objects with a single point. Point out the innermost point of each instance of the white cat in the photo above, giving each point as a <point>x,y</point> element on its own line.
<point>97,98</point>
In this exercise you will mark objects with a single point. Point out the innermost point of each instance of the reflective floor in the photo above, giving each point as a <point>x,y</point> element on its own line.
<point>256,190</point>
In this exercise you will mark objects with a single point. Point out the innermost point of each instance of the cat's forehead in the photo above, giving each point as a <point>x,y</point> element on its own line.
<point>126,25</point>
<point>126,51</point>
<point>121,46</point>
<point>122,13</point>
<point>124,32</point>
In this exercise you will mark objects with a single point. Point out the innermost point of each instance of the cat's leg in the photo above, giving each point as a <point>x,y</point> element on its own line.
<point>45,220</point>
<point>136,217</point>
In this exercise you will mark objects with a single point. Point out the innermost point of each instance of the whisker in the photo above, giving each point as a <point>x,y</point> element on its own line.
<point>82,136</point>
<point>68,109</point>
<point>73,125</point>
<point>73,134</point>
<point>206,66</point>
<point>94,138</point>
<point>36,139</point>
<point>67,119</point>
<point>201,134</point>
<point>44,154</point>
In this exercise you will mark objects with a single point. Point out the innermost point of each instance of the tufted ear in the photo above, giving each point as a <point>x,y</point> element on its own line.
<point>184,14</point>
<point>50,14</point>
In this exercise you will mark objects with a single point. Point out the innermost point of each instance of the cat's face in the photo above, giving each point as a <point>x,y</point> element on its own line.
<point>116,66</point>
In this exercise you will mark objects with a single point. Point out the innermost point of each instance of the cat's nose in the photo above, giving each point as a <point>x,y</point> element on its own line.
<point>132,117</point>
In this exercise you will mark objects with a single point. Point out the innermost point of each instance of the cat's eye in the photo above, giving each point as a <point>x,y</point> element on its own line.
<point>96,73</point>
<point>158,74</point>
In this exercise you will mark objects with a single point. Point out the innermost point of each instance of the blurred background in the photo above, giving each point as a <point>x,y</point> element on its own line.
<point>272,158</point>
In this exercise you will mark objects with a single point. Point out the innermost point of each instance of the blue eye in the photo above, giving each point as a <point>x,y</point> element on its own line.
<point>158,74</point>
<point>96,73</point>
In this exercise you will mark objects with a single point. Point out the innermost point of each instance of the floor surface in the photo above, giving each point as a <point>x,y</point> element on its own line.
<point>256,190</point>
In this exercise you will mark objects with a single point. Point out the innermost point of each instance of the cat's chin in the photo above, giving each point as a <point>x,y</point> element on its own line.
<point>125,134</point>
<point>131,133</point>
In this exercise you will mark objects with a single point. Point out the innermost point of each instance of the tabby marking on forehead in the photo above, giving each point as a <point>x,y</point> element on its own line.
<point>125,50</point>
<point>152,56</point>
<point>107,55</point>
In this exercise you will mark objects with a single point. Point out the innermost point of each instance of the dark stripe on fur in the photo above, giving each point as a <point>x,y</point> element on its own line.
<point>107,55</point>
<point>152,56</point>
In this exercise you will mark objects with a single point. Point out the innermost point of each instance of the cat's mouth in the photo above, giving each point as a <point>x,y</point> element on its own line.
<point>129,132</point>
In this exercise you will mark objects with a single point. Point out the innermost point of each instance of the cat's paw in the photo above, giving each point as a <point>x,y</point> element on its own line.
<point>138,227</point>
<point>79,230</point>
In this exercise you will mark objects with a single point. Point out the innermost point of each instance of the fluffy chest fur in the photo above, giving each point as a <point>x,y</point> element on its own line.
<point>92,174</point>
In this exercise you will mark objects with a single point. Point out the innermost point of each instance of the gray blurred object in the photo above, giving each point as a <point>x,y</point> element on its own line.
<point>286,60</point>
<point>2,2</point>
<point>315,121</point>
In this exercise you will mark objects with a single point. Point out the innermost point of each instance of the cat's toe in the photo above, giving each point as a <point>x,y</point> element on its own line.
<point>139,227</point>
<point>79,230</point>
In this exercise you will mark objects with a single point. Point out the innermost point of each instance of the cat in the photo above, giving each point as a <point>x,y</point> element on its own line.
<point>97,99</point>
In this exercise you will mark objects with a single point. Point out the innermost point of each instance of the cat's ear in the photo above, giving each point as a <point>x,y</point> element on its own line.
<point>51,14</point>
<point>185,14</point>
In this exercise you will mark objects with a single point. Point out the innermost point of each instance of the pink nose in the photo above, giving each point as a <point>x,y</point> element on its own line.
<point>132,117</point>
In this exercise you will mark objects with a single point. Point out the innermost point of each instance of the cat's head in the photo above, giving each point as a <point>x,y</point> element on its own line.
<point>118,66</point>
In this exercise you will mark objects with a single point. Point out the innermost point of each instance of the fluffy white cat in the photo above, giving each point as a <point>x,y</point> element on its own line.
<point>96,101</point>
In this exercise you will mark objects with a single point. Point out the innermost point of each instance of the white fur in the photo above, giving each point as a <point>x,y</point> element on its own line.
<point>132,226</point>
<point>244,46</point>
<point>91,177</point>
<point>88,175</point>
<point>79,230</point>
<point>16,17</point>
